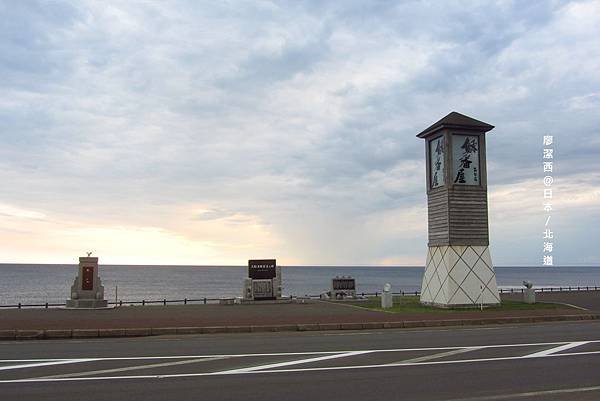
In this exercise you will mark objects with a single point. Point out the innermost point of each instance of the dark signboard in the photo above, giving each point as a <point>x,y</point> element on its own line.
<point>341,284</point>
<point>262,269</point>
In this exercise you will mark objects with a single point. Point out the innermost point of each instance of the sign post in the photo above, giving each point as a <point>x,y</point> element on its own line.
<point>459,269</point>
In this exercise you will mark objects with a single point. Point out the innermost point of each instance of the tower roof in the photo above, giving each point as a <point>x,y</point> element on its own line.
<point>455,120</point>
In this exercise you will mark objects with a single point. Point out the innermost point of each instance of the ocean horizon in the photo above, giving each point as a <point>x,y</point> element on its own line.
<point>39,283</point>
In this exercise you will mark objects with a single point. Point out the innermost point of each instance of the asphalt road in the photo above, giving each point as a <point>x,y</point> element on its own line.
<point>557,361</point>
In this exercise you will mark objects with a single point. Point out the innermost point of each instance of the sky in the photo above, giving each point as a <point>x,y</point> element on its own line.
<point>203,132</point>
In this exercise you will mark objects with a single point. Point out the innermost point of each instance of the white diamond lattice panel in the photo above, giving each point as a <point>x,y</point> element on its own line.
<point>459,276</point>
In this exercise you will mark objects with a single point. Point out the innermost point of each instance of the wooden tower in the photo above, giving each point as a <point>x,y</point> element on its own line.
<point>459,270</point>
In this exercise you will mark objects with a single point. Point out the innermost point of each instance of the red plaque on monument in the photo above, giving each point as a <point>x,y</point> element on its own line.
<point>88,278</point>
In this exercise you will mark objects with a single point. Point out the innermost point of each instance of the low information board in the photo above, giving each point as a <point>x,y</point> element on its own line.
<point>262,269</point>
<point>343,287</point>
<point>341,284</point>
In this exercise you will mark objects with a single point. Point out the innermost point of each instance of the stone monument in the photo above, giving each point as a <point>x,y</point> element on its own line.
<point>459,269</point>
<point>264,280</point>
<point>87,290</point>
<point>343,287</point>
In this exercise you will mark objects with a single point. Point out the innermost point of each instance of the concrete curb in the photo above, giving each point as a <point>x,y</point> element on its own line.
<point>84,333</point>
<point>157,331</point>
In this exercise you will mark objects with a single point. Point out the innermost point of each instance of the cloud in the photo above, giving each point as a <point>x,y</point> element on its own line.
<point>286,128</point>
<point>16,212</point>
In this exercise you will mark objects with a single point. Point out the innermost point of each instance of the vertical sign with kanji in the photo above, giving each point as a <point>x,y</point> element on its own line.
<point>548,168</point>
<point>465,156</point>
<point>437,167</point>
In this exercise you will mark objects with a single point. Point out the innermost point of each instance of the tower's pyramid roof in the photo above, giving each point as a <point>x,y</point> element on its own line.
<point>456,120</point>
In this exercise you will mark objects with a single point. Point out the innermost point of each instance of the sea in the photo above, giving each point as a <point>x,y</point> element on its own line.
<point>41,283</point>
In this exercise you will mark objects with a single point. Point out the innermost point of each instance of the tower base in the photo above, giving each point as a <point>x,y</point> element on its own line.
<point>459,276</point>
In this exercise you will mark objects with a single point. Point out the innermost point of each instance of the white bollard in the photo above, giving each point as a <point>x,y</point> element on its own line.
<point>386,296</point>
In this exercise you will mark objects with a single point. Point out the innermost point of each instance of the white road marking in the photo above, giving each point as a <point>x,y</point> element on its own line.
<point>530,394</point>
<point>289,363</point>
<point>556,349</point>
<point>286,353</point>
<point>129,368</point>
<point>439,355</point>
<point>509,358</point>
<point>141,358</point>
<point>38,360</point>
<point>40,364</point>
<point>564,303</point>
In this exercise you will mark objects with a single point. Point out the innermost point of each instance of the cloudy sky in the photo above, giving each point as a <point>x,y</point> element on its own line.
<point>213,132</point>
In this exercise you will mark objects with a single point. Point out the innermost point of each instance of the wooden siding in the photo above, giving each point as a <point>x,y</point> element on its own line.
<point>437,216</point>
<point>458,216</point>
